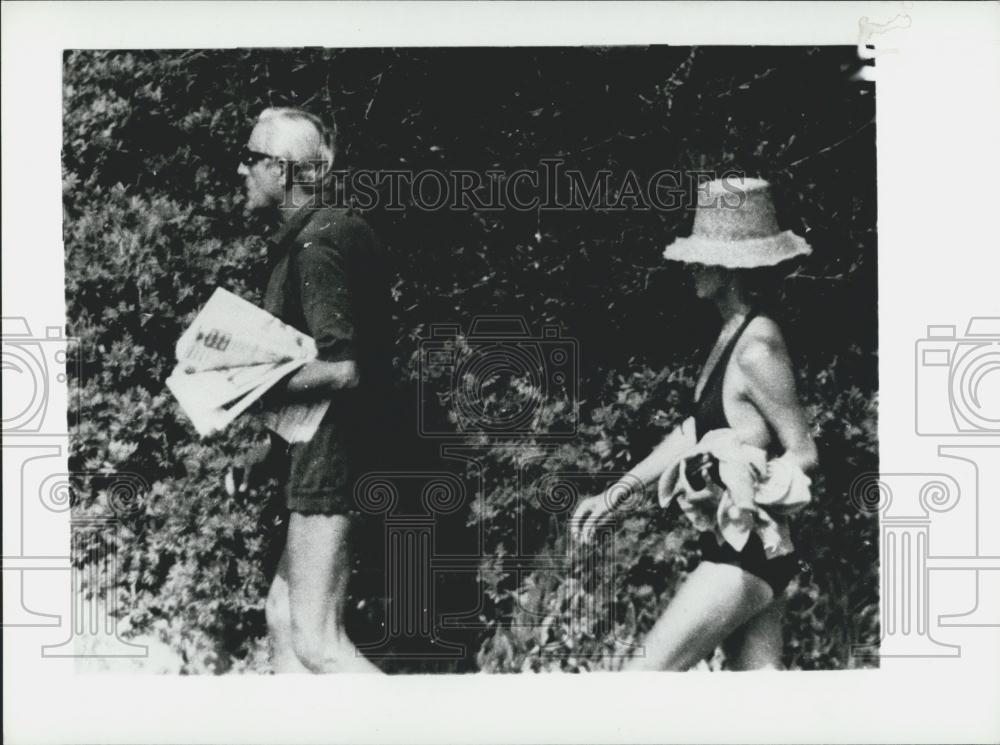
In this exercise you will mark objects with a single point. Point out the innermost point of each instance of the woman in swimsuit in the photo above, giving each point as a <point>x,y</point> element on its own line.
<point>732,597</point>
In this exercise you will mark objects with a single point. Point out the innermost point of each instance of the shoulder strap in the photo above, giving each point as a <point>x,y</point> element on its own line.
<point>728,352</point>
<point>723,361</point>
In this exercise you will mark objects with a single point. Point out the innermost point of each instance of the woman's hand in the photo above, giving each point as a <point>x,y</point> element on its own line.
<point>702,471</point>
<point>594,512</point>
<point>591,514</point>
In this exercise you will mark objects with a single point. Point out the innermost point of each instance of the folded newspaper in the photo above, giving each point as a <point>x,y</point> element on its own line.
<point>232,353</point>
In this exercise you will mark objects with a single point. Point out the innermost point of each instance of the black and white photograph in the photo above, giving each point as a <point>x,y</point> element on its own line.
<point>438,362</point>
<point>476,360</point>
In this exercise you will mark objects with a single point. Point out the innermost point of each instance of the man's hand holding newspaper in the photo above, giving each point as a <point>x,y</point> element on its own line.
<point>230,356</point>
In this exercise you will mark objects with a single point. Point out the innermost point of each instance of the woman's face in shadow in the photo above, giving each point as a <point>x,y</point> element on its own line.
<point>709,281</point>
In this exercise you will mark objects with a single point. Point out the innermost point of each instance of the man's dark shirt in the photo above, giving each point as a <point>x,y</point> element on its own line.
<point>328,281</point>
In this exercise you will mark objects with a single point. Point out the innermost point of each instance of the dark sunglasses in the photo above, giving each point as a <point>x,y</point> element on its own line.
<point>250,157</point>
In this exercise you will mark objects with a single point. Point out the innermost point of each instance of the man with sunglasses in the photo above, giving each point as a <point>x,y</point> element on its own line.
<point>324,281</point>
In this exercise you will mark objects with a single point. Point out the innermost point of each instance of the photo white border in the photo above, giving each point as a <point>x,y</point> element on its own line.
<point>938,73</point>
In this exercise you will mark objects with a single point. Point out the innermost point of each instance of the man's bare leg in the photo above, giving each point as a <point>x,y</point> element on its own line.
<point>714,601</point>
<point>279,622</point>
<point>319,568</point>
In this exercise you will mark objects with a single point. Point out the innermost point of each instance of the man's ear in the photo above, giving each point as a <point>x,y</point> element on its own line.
<point>302,173</point>
<point>287,173</point>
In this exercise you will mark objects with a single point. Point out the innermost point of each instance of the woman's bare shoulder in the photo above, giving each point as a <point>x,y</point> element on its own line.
<point>762,346</point>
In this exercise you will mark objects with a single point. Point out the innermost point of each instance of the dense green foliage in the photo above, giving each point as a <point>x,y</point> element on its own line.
<point>154,221</point>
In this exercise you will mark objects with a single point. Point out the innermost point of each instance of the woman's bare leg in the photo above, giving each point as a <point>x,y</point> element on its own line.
<point>715,600</point>
<point>758,645</point>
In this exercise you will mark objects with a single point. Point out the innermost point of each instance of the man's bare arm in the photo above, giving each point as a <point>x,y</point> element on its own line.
<point>317,380</point>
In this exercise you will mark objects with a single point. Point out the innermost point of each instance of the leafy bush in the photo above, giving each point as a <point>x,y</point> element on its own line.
<point>154,221</point>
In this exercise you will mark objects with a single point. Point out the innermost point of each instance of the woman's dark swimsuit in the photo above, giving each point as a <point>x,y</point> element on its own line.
<point>708,415</point>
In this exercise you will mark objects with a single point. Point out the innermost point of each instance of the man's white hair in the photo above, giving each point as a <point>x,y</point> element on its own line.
<point>307,141</point>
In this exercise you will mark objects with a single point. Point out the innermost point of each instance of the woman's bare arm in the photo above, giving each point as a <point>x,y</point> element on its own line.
<point>594,511</point>
<point>664,455</point>
<point>767,369</point>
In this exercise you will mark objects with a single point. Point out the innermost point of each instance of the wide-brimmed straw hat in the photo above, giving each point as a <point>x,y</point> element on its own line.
<point>735,226</point>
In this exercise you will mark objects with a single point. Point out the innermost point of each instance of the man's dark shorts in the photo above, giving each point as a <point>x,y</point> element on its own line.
<point>320,476</point>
